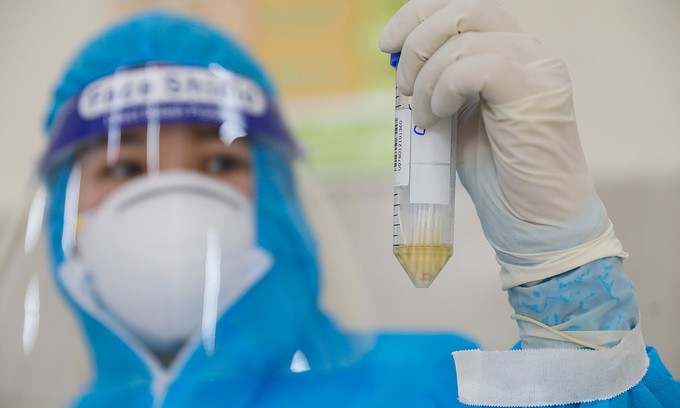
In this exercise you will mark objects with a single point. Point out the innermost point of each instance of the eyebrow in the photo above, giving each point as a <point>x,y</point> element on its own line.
<point>131,137</point>
<point>211,135</point>
<point>208,135</point>
<point>127,137</point>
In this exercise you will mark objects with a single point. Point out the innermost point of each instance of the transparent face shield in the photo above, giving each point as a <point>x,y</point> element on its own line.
<point>165,239</point>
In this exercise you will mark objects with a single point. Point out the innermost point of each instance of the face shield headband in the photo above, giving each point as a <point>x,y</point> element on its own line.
<point>155,94</point>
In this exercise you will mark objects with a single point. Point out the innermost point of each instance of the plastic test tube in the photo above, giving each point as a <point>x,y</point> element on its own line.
<point>424,192</point>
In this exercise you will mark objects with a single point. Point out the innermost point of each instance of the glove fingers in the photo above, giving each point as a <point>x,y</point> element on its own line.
<point>518,47</point>
<point>407,18</point>
<point>484,74</point>
<point>456,17</point>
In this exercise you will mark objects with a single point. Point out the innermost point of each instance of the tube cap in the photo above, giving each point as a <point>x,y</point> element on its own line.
<point>394,59</point>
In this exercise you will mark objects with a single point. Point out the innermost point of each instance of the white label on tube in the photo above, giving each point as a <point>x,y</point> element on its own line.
<point>402,147</point>
<point>430,180</point>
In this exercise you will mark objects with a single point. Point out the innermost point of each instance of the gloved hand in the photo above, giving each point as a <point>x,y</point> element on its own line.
<point>520,159</point>
<point>519,154</point>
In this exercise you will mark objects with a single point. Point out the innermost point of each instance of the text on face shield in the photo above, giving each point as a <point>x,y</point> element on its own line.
<point>171,84</point>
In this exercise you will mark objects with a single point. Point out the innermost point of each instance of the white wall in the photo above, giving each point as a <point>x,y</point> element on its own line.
<point>36,39</point>
<point>624,61</point>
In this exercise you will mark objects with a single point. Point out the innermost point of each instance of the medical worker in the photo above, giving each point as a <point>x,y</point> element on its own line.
<point>178,241</point>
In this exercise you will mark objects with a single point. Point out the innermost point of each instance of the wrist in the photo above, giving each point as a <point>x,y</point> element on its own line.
<point>524,268</point>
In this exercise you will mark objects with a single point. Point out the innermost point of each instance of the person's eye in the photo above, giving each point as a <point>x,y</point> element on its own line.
<point>225,163</point>
<point>124,169</point>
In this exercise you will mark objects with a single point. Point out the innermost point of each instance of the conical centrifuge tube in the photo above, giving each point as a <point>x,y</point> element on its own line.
<point>424,193</point>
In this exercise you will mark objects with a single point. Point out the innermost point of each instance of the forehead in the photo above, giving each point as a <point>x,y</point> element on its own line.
<point>143,136</point>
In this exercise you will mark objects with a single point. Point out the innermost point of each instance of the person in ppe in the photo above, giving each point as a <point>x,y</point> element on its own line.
<point>177,239</point>
<point>520,159</point>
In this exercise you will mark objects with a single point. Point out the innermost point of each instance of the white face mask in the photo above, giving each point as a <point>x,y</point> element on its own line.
<point>168,253</point>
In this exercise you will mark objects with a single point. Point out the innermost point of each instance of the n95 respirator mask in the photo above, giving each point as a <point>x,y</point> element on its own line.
<point>166,254</point>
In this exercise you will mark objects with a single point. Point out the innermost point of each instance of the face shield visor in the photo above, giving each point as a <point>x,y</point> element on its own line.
<point>164,244</point>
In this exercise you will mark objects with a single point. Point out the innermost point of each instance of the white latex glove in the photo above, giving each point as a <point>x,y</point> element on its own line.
<point>519,153</point>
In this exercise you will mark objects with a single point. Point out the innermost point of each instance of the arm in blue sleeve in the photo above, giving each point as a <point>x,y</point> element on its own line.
<point>595,302</point>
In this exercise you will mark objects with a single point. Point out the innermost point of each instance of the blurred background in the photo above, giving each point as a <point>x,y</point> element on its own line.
<point>337,92</point>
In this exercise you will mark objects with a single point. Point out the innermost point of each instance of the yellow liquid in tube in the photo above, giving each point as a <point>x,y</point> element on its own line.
<point>423,263</point>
